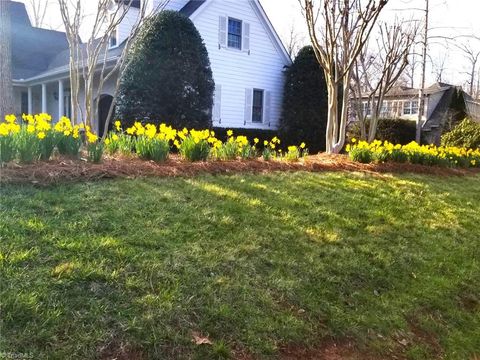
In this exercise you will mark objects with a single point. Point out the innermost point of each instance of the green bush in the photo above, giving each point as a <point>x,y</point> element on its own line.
<point>169,78</point>
<point>305,103</point>
<point>396,131</point>
<point>466,134</point>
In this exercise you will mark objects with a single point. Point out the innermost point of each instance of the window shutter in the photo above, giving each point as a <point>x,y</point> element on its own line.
<point>246,37</point>
<point>248,106</point>
<point>267,108</point>
<point>222,32</point>
<point>217,106</point>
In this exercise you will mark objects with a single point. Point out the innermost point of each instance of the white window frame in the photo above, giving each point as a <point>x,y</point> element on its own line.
<point>410,107</point>
<point>367,108</point>
<point>241,33</point>
<point>263,105</point>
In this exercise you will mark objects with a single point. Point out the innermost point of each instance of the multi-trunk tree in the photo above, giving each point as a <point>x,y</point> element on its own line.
<point>377,70</point>
<point>339,30</point>
<point>90,66</point>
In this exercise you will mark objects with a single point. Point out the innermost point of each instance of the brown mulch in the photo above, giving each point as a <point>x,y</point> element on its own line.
<point>68,170</point>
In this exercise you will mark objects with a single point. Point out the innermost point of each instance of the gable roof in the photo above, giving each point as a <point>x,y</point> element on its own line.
<point>405,91</point>
<point>32,48</point>
<point>191,7</point>
<point>50,49</point>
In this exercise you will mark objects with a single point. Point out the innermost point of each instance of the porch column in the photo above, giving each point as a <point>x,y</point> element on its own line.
<point>30,100</point>
<point>44,98</point>
<point>61,98</point>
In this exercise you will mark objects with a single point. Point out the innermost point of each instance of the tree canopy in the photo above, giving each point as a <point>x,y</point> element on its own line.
<point>305,105</point>
<point>168,78</point>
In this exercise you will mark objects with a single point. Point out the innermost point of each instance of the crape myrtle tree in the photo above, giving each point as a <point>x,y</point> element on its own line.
<point>88,61</point>
<point>169,78</point>
<point>339,30</point>
<point>305,104</point>
<point>377,70</point>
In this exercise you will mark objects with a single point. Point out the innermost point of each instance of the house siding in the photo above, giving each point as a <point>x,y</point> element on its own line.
<point>127,24</point>
<point>235,70</point>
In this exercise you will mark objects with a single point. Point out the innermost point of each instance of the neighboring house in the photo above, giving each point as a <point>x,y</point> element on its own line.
<point>403,103</point>
<point>246,55</point>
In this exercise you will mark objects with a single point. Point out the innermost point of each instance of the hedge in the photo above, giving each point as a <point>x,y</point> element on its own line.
<point>396,131</point>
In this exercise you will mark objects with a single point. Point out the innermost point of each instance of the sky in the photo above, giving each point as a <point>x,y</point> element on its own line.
<point>448,18</point>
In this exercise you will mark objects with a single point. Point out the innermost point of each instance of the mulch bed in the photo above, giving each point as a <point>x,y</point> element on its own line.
<point>61,170</point>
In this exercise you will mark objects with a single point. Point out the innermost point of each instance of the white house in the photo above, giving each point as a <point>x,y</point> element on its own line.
<point>247,59</point>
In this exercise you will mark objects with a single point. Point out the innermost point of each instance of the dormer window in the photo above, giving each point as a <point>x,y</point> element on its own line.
<point>113,39</point>
<point>234,34</point>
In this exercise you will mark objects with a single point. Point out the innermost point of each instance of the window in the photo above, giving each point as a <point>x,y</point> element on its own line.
<point>395,108</point>
<point>414,107</point>
<point>384,108</point>
<point>234,34</point>
<point>113,39</point>
<point>410,107</point>
<point>367,110</point>
<point>24,105</point>
<point>257,111</point>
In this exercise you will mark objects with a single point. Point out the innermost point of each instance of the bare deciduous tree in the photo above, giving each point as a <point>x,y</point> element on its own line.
<point>338,39</point>
<point>439,65</point>
<point>6,85</point>
<point>293,42</point>
<point>38,11</point>
<point>472,56</point>
<point>375,75</point>
<point>90,65</point>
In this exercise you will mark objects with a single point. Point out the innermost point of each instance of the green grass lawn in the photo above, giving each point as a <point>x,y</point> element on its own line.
<point>254,262</point>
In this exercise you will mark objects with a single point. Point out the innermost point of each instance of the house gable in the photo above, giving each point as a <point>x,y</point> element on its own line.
<point>248,70</point>
<point>194,8</point>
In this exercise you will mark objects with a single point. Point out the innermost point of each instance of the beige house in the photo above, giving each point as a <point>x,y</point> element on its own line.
<point>403,103</point>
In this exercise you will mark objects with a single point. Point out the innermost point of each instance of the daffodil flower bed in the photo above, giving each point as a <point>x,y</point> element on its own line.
<point>364,152</point>
<point>35,137</point>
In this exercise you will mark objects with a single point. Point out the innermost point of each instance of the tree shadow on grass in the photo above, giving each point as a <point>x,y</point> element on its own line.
<point>252,261</point>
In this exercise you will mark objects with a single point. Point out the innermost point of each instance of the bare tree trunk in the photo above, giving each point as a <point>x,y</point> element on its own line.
<point>6,85</point>
<point>345,28</point>
<point>39,11</point>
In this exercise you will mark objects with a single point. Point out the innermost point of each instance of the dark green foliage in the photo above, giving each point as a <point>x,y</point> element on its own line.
<point>169,79</point>
<point>396,131</point>
<point>305,104</point>
<point>456,112</point>
<point>466,134</point>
